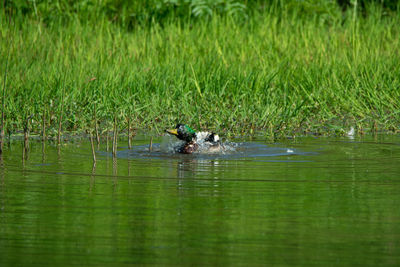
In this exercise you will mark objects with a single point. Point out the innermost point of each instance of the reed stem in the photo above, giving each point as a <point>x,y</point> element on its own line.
<point>116,138</point>
<point>114,152</point>
<point>96,126</point>
<point>26,136</point>
<point>92,145</point>
<point>44,124</point>
<point>129,132</point>
<point>113,140</point>
<point>151,144</point>
<point>60,117</point>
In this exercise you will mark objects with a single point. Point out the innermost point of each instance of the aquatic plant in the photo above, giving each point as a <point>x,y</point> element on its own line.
<point>293,72</point>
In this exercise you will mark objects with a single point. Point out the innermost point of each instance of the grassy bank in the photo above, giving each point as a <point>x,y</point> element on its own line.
<point>270,73</point>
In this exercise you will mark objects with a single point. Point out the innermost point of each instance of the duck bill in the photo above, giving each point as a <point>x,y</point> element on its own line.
<point>173,131</point>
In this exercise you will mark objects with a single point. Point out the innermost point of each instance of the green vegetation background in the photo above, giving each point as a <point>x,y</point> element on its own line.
<point>270,67</point>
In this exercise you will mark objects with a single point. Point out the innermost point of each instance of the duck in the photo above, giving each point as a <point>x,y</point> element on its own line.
<point>209,141</point>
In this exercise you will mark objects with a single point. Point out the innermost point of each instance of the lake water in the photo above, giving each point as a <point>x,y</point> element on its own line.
<point>309,201</point>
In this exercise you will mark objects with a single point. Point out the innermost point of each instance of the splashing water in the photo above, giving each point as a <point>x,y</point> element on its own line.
<point>169,146</point>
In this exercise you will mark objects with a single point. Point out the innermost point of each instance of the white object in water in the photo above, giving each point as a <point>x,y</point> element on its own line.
<point>351,132</point>
<point>289,150</point>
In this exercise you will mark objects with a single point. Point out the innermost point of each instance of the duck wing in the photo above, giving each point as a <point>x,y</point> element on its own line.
<point>211,137</point>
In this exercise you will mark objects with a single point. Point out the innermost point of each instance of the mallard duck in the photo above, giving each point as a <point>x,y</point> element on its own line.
<point>209,141</point>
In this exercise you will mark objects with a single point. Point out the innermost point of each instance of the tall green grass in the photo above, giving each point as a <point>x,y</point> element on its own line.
<point>271,73</point>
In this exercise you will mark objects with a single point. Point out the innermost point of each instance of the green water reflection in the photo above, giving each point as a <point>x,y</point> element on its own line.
<point>337,206</point>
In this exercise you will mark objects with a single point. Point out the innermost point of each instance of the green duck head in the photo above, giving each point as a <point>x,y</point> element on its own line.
<point>183,132</point>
